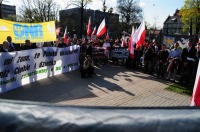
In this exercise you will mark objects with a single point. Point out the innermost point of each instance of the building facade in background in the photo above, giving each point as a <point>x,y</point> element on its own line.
<point>173,25</point>
<point>173,31</point>
<point>8,12</point>
<point>72,19</point>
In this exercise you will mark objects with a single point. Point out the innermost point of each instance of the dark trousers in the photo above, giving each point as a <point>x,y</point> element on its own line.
<point>161,69</point>
<point>187,72</point>
<point>89,71</point>
<point>148,66</point>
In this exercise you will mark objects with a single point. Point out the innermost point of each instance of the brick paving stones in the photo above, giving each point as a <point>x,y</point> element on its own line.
<point>110,86</point>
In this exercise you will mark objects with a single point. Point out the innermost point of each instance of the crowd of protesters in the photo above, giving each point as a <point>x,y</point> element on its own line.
<point>151,58</point>
<point>165,63</point>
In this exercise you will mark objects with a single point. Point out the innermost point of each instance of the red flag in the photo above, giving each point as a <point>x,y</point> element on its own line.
<point>131,44</point>
<point>139,36</point>
<point>57,31</point>
<point>94,31</point>
<point>102,29</point>
<point>65,36</point>
<point>107,36</point>
<point>89,30</point>
<point>195,101</point>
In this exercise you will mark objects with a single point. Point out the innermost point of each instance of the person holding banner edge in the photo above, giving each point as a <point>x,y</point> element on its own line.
<point>11,45</point>
<point>5,47</point>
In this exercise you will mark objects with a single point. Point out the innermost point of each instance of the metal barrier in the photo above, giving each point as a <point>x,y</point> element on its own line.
<point>36,117</point>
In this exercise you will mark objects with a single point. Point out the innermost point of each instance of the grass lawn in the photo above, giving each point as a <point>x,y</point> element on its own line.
<point>181,89</point>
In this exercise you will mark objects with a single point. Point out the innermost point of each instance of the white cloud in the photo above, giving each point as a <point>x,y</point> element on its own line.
<point>142,4</point>
<point>97,5</point>
<point>3,28</point>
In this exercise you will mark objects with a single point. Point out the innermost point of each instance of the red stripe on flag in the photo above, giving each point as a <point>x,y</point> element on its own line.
<point>131,44</point>
<point>89,27</point>
<point>65,36</point>
<point>102,29</point>
<point>197,94</point>
<point>141,40</point>
<point>102,32</point>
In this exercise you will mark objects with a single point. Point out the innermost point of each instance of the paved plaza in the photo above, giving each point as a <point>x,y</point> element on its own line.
<point>112,85</point>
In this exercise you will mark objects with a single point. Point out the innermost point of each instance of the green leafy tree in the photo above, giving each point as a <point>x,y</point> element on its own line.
<point>190,13</point>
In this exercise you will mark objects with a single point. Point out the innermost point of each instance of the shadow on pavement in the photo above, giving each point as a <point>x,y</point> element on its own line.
<point>69,86</point>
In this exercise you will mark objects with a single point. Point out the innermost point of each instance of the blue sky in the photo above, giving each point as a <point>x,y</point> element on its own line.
<point>155,11</point>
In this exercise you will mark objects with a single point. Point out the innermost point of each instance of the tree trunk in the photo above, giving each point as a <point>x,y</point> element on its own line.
<point>81,19</point>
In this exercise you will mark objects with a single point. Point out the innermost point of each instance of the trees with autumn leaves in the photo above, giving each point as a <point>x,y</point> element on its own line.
<point>190,16</point>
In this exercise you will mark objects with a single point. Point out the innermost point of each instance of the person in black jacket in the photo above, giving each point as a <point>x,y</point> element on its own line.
<point>162,60</point>
<point>11,45</point>
<point>188,57</point>
<point>89,49</point>
<point>148,58</point>
<point>61,43</point>
<point>5,47</point>
<point>28,45</point>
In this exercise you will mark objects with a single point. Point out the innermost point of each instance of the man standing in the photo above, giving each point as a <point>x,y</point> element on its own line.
<point>188,60</point>
<point>28,45</point>
<point>11,45</point>
<point>174,57</point>
<point>162,60</point>
<point>107,47</point>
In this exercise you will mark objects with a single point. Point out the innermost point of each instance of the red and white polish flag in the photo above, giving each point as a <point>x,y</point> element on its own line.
<point>195,100</point>
<point>94,31</point>
<point>102,29</point>
<point>139,37</point>
<point>89,30</point>
<point>65,37</point>
<point>131,44</point>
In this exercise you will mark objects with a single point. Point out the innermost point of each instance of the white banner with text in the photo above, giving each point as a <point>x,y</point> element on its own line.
<point>23,67</point>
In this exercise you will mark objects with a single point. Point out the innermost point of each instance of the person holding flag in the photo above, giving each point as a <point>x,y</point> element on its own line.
<point>66,39</point>
<point>131,46</point>
<point>107,36</point>
<point>137,39</point>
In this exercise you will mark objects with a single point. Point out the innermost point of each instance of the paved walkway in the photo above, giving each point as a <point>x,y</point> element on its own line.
<point>111,86</point>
